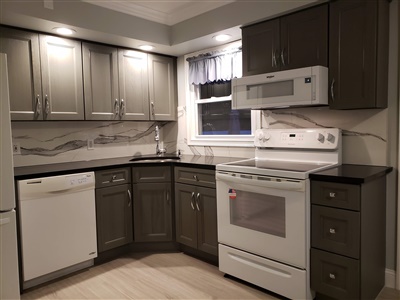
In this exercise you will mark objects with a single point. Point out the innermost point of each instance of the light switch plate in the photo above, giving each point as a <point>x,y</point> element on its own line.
<point>90,144</point>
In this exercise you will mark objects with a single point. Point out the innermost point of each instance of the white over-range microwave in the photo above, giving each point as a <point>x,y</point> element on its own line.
<point>297,87</point>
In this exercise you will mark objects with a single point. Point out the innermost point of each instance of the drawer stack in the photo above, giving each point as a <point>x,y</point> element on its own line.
<point>348,239</point>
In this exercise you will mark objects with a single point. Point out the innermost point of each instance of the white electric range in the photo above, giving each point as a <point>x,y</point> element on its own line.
<point>263,208</point>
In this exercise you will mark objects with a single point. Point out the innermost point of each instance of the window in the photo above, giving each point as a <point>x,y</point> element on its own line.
<point>210,118</point>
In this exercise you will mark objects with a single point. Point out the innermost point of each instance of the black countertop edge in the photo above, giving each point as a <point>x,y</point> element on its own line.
<point>197,161</point>
<point>351,174</point>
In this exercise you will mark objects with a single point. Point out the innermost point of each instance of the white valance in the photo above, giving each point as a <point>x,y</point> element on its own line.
<point>215,66</point>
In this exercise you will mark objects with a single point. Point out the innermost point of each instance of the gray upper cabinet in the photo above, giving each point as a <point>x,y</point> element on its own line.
<point>358,54</point>
<point>294,41</point>
<point>62,82</point>
<point>162,88</point>
<point>23,60</point>
<point>45,75</point>
<point>100,70</point>
<point>133,85</point>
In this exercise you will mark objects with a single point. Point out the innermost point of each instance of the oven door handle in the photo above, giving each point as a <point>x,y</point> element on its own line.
<point>262,181</point>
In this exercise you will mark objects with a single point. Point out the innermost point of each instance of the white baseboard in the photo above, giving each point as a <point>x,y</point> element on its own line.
<point>390,278</point>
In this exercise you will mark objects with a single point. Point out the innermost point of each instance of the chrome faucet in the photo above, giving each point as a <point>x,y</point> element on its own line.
<point>159,151</point>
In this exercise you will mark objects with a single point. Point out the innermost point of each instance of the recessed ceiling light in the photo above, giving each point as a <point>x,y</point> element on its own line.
<point>146,47</point>
<point>222,37</point>
<point>64,30</point>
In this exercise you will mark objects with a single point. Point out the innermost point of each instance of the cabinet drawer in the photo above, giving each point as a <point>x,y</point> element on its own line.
<point>151,174</point>
<point>335,194</point>
<point>336,230</point>
<point>195,176</point>
<point>335,275</point>
<point>112,177</point>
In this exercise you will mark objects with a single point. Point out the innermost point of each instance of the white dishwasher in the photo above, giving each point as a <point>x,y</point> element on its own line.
<point>57,226</point>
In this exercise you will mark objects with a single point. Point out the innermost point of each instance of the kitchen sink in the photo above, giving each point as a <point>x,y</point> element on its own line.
<point>155,158</point>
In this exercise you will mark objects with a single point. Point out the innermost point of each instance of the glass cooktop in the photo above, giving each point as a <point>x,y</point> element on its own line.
<point>279,165</point>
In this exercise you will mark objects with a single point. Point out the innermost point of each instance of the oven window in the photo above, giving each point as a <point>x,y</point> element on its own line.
<point>264,213</point>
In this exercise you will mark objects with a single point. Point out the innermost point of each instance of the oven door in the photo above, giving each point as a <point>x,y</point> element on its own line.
<point>263,215</point>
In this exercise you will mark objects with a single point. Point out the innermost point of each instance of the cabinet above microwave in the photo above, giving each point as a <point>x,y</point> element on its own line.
<point>298,87</point>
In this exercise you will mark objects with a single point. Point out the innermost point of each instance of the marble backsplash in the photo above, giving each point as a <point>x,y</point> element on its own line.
<point>364,137</point>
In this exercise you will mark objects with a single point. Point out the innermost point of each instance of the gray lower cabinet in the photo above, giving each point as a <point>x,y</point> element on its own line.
<point>196,209</point>
<point>153,204</point>
<point>122,84</point>
<point>113,208</point>
<point>348,239</point>
<point>45,75</point>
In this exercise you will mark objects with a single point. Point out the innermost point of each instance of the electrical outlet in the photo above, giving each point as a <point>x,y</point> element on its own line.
<point>16,149</point>
<point>90,144</point>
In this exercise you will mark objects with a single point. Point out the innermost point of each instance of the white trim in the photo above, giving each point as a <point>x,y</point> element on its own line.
<point>390,278</point>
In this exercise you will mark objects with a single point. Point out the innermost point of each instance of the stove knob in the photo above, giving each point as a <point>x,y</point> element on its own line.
<point>320,137</point>
<point>260,136</point>
<point>267,136</point>
<point>330,138</point>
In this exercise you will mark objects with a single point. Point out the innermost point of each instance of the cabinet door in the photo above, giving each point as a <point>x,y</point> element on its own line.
<point>62,83</point>
<point>23,62</point>
<point>152,212</point>
<point>133,85</point>
<point>100,70</point>
<point>353,56</point>
<point>207,220</point>
<point>185,215</point>
<point>113,217</point>
<point>162,88</point>
<point>261,44</point>
<point>304,38</point>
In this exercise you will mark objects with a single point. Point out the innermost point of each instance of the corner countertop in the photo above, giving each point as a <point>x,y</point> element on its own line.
<point>351,174</point>
<point>208,162</point>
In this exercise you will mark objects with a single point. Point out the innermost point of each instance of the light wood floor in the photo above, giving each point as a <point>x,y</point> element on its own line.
<point>155,276</point>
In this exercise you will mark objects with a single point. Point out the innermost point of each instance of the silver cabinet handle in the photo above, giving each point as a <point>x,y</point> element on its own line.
<point>38,108</point>
<point>195,177</point>
<point>46,105</point>
<point>274,64</point>
<point>332,276</point>
<point>152,108</point>
<point>332,89</point>
<point>197,201</point>
<point>122,108</point>
<point>332,230</point>
<point>116,107</point>
<point>130,198</point>
<point>283,57</point>
<point>332,195</point>
<point>192,200</point>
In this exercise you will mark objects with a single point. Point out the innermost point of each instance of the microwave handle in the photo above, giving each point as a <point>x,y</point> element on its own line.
<point>291,185</point>
<point>332,89</point>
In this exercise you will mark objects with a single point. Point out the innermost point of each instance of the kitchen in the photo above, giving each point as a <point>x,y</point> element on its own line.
<point>368,130</point>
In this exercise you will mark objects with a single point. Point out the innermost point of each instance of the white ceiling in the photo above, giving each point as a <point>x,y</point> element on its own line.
<point>174,27</point>
<point>162,11</point>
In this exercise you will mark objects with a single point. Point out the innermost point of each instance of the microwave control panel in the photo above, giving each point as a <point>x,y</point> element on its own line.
<point>313,138</point>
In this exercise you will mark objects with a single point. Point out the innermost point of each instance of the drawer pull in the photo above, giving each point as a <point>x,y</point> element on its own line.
<point>332,276</point>
<point>332,195</point>
<point>332,230</point>
<point>195,177</point>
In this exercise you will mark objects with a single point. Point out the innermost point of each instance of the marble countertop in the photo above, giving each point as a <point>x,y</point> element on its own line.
<point>208,162</point>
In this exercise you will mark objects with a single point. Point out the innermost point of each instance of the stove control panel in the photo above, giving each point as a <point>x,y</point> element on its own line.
<point>304,138</point>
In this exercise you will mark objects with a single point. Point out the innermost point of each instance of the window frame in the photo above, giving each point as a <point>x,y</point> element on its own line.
<point>192,120</point>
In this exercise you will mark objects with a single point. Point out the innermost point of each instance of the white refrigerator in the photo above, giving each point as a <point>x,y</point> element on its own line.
<point>9,278</point>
